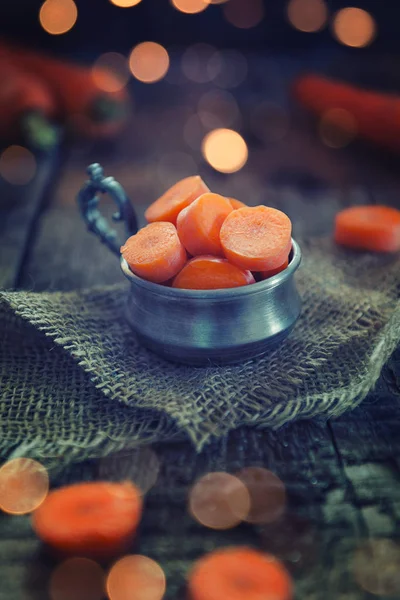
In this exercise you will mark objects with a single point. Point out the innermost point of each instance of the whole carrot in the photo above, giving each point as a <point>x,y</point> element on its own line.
<point>98,113</point>
<point>376,115</point>
<point>26,108</point>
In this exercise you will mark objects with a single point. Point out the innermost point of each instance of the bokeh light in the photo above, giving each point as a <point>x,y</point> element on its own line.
<point>225,150</point>
<point>141,466</point>
<point>215,1</point>
<point>77,579</point>
<point>376,567</point>
<point>125,3</point>
<point>307,15</point>
<point>218,108</point>
<point>136,577</point>
<point>190,7</point>
<point>24,485</point>
<point>269,122</point>
<point>58,16</point>
<point>149,62</point>
<point>219,501</point>
<point>337,128</point>
<point>267,495</point>
<point>354,27</point>
<point>196,62</point>
<point>227,68</point>
<point>17,165</point>
<point>244,14</point>
<point>110,72</point>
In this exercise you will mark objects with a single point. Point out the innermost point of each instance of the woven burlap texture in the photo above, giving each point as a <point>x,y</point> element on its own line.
<point>76,383</point>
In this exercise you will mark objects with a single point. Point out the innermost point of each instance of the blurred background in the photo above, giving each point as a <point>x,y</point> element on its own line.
<point>205,86</point>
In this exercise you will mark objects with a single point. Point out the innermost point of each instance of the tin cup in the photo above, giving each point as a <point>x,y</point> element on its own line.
<point>198,327</point>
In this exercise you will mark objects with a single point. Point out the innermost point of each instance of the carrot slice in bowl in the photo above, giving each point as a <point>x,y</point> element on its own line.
<point>256,238</point>
<point>375,228</point>
<point>155,252</point>
<point>96,519</point>
<point>211,273</point>
<point>236,203</point>
<point>238,574</point>
<point>267,274</point>
<point>199,224</point>
<point>175,199</point>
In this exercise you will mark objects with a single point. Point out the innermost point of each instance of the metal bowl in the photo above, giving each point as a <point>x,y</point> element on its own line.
<point>200,327</point>
<point>196,327</point>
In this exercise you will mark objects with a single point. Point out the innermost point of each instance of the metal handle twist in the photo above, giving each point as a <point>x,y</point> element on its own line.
<point>88,201</point>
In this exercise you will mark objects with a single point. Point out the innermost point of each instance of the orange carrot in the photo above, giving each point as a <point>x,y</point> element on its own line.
<point>272,272</point>
<point>376,115</point>
<point>236,203</point>
<point>375,228</point>
<point>199,224</point>
<point>238,574</point>
<point>210,273</point>
<point>155,253</point>
<point>98,113</point>
<point>256,238</point>
<point>26,107</point>
<point>176,198</point>
<point>95,520</point>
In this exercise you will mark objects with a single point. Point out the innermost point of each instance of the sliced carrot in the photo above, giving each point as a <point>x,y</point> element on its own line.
<point>375,228</point>
<point>272,272</point>
<point>238,574</point>
<point>199,224</point>
<point>236,203</point>
<point>256,238</point>
<point>210,273</point>
<point>95,520</point>
<point>155,252</point>
<point>175,199</point>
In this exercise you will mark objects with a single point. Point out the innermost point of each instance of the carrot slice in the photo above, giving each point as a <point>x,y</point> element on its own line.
<point>155,253</point>
<point>199,224</point>
<point>178,197</point>
<point>210,273</point>
<point>238,573</point>
<point>236,203</point>
<point>95,520</point>
<point>256,238</point>
<point>375,228</point>
<point>272,272</point>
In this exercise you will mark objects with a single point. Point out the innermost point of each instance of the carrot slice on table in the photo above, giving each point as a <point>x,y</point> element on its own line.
<point>96,519</point>
<point>272,272</point>
<point>236,203</point>
<point>210,273</point>
<point>199,224</point>
<point>155,252</point>
<point>176,198</point>
<point>256,238</point>
<point>238,574</point>
<point>375,228</point>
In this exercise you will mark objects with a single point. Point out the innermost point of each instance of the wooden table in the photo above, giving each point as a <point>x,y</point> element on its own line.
<point>341,476</point>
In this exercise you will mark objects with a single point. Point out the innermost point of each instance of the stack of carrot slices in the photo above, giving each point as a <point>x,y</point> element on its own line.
<point>199,240</point>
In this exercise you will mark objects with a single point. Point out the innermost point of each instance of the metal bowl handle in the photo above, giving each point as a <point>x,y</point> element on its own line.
<point>88,201</point>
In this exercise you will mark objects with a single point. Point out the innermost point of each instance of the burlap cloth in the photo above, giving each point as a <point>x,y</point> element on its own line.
<point>75,383</point>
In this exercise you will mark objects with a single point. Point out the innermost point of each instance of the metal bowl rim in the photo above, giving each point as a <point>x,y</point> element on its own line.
<point>221,294</point>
